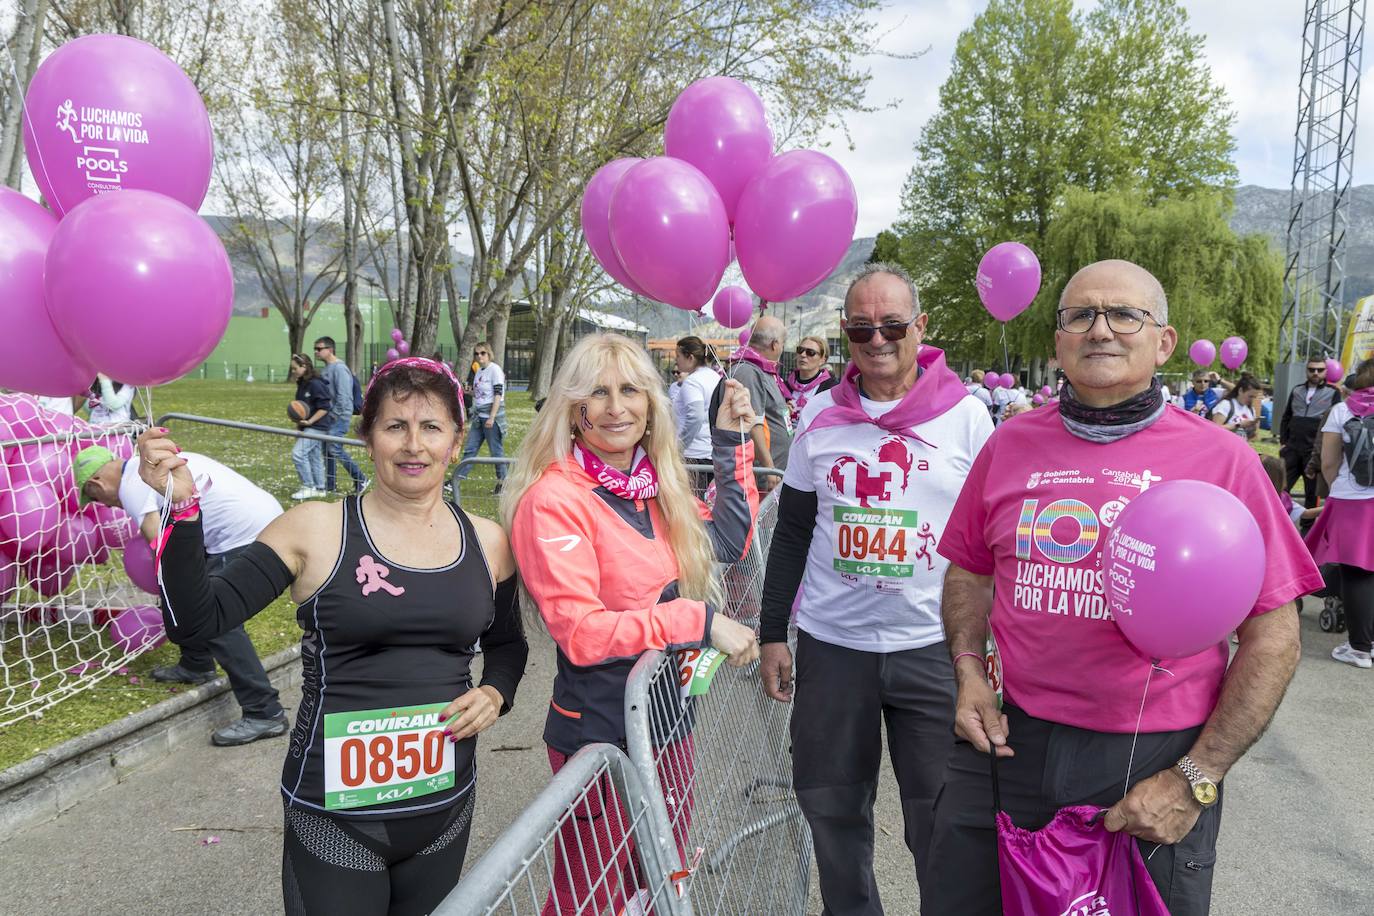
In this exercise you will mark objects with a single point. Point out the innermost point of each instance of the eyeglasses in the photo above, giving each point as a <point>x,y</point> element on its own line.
<point>1317,371</point>
<point>318,349</point>
<point>1121,319</point>
<point>808,351</point>
<point>863,333</point>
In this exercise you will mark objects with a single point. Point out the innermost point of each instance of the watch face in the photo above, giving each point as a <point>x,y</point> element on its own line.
<point>1205,793</point>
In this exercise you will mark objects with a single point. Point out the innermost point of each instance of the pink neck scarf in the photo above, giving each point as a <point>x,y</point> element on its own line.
<point>1361,402</point>
<point>936,390</point>
<point>640,483</point>
<point>799,392</point>
<point>749,355</point>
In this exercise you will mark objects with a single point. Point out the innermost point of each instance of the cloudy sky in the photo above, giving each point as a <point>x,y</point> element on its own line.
<point>1253,47</point>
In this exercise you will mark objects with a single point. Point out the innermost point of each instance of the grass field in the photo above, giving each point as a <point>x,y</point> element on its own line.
<point>263,458</point>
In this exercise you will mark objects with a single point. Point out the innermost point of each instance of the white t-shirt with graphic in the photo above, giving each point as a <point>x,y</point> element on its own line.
<point>484,386</point>
<point>233,509</point>
<point>873,579</point>
<point>1233,412</point>
<point>1344,487</point>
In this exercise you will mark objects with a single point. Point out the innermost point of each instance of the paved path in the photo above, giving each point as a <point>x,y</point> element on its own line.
<point>1296,836</point>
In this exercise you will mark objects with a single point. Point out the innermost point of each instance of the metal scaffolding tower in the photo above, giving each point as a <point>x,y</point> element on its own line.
<point>1324,151</point>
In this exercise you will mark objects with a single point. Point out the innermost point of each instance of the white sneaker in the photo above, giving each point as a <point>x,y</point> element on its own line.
<point>1343,653</point>
<point>317,494</point>
<point>303,493</point>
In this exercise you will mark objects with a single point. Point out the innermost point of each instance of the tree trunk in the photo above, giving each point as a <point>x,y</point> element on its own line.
<point>455,305</point>
<point>498,325</point>
<point>546,350</point>
<point>28,43</point>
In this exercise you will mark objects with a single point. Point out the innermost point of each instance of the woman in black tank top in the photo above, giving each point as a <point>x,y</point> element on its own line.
<point>396,591</point>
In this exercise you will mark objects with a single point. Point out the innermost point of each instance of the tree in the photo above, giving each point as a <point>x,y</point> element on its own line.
<point>277,173</point>
<point>1218,283</point>
<point>20,58</point>
<point>887,248</point>
<point>1041,99</point>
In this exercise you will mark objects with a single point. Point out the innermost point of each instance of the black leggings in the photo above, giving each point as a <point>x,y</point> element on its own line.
<point>396,866</point>
<point>1357,595</point>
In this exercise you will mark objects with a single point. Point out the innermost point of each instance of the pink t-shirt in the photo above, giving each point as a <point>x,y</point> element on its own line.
<point>1034,514</point>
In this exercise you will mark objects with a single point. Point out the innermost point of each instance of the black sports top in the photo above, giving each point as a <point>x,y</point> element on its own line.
<point>385,648</point>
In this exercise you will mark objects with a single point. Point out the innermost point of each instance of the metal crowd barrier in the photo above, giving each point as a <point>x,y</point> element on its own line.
<point>723,763</point>
<point>597,820</point>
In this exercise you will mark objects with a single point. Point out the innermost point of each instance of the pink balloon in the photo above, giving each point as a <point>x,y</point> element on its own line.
<point>29,515</point>
<point>1334,370</point>
<point>78,542</point>
<point>992,380</point>
<point>744,335</point>
<point>733,307</point>
<point>1202,352</point>
<point>48,463</point>
<point>32,355</point>
<point>596,220</point>
<point>396,335</point>
<point>718,125</point>
<point>22,417</point>
<point>1233,352</point>
<point>403,348</point>
<point>116,528</point>
<point>1046,390</point>
<point>1182,568</point>
<point>139,565</point>
<point>137,629</point>
<point>794,223</point>
<point>1008,380</point>
<point>1008,279</point>
<point>1038,399</point>
<point>139,285</point>
<point>111,113</point>
<point>48,576</point>
<point>393,354</point>
<point>669,229</point>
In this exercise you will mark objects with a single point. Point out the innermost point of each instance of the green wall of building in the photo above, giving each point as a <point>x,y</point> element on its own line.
<point>262,343</point>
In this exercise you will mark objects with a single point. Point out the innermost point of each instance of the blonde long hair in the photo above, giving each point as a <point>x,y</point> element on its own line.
<point>550,440</point>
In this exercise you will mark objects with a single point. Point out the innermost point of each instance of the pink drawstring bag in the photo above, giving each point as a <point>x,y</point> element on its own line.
<point>1073,866</point>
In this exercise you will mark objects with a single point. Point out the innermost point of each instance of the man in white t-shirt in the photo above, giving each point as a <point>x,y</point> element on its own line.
<point>488,420</point>
<point>234,510</point>
<point>875,467</point>
<point>979,390</point>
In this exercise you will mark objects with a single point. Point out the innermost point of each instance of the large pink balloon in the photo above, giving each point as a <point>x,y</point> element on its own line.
<point>596,220</point>
<point>1008,279</point>
<point>111,113</point>
<point>78,542</point>
<point>29,515</point>
<point>1334,371</point>
<point>1008,380</point>
<point>136,629</point>
<point>1182,568</point>
<point>717,124</point>
<point>33,357</point>
<point>733,307</point>
<point>139,285</point>
<point>794,223</point>
<point>745,334</point>
<point>992,380</point>
<point>140,565</point>
<point>669,229</point>
<point>48,576</point>
<point>1233,352</point>
<point>1202,352</point>
<point>48,463</point>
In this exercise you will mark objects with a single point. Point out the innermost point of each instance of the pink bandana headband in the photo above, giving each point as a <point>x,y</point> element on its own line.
<point>428,365</point>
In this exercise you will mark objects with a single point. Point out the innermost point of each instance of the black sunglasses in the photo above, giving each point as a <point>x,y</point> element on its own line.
<point>863,333</point>
<point>318,349</point>
<point>1312,371</point>
<point>807,351</point>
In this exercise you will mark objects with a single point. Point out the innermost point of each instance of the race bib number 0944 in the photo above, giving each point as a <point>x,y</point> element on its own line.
<point>375,756</point>
<point>875,542</point>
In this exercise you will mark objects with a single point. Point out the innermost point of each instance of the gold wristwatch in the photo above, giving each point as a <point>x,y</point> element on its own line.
<point>1204,790</point>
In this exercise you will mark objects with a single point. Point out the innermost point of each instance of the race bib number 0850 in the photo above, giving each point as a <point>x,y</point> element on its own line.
<point>375,756</point>
<point>875,542</point>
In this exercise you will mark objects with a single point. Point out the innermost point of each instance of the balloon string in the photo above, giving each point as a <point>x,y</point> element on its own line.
<point>37,146</point>
<point>1006,360</point>
<point>1140,716</point>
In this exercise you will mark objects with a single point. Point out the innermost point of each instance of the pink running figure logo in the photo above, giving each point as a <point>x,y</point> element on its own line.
<point>372,576</point>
